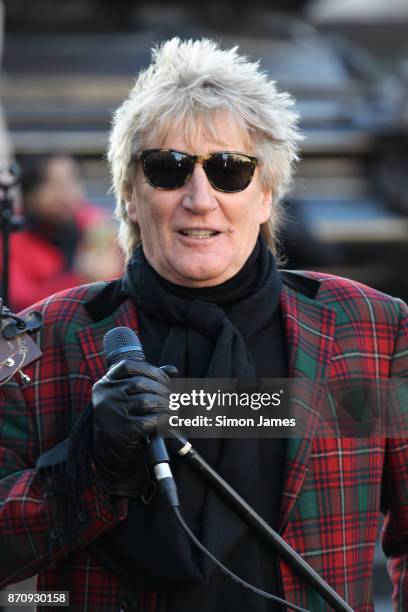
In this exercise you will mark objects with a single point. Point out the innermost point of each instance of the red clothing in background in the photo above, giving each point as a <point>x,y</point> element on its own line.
<point>38,268</point>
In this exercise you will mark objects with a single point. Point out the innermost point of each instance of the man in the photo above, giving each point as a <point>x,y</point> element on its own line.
<point>201,154</point>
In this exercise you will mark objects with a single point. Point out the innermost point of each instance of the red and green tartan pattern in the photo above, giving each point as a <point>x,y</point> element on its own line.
<point>332,486</point>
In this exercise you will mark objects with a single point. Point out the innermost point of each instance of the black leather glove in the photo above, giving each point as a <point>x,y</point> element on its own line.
<point>129,403</point>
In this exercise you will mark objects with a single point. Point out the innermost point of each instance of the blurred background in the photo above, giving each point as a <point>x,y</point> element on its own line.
<point>66,65</point>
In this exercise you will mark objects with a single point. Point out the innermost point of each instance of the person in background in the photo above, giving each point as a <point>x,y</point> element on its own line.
<point>66,240</point>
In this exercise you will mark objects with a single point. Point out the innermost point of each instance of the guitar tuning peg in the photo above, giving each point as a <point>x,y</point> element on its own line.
<point>24,377</point>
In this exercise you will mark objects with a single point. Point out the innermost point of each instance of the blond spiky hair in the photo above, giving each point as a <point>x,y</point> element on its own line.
<point>186,84</point>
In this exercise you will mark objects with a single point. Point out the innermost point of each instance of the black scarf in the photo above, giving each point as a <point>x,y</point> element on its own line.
<point>195,334</point>
<point>199,329</point>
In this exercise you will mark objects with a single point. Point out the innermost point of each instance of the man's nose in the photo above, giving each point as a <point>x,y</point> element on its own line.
<point>199,196</point>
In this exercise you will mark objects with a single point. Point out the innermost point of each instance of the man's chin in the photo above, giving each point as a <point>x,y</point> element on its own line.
<point>200,277</point>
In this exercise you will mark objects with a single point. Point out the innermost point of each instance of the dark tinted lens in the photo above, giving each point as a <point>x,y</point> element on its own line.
<point>166,169</point>
<point>229,171</point>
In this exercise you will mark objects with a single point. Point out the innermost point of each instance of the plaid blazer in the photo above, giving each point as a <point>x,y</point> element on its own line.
<point>332,486</point>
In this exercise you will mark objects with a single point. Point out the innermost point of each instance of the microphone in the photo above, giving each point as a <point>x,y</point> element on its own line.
<point>123,343</point>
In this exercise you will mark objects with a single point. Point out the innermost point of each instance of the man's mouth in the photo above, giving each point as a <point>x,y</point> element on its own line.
<point>196,233</point>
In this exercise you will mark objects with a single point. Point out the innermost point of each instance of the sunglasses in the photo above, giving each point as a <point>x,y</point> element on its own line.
<point>227,171</point>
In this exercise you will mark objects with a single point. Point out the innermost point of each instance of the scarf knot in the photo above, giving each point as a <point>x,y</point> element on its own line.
<point>206,319</point>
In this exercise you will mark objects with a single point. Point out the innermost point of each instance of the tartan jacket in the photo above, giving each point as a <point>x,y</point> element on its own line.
<point>335,328</point>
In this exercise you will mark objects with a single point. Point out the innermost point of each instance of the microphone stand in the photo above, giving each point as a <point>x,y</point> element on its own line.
<point>253,519</point>
<point>8,222</point>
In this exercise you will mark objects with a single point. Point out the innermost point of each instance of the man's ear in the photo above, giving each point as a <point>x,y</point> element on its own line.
<point>266,205</point>
<point>131,210</point>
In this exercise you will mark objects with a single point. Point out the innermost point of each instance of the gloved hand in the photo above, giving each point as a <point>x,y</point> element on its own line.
<point>129,403</point>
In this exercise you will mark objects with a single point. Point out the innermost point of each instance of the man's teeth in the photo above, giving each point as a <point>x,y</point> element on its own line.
<point>199,233</point>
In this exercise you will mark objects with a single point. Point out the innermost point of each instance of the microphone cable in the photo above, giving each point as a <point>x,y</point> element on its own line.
<point>228,572</point>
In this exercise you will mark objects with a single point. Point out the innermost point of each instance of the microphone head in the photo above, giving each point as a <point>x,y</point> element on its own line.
<point>122,343</point>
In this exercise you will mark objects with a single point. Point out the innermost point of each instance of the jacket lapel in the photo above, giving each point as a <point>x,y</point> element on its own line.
<point>91,337</point>
<point>309,327</point>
